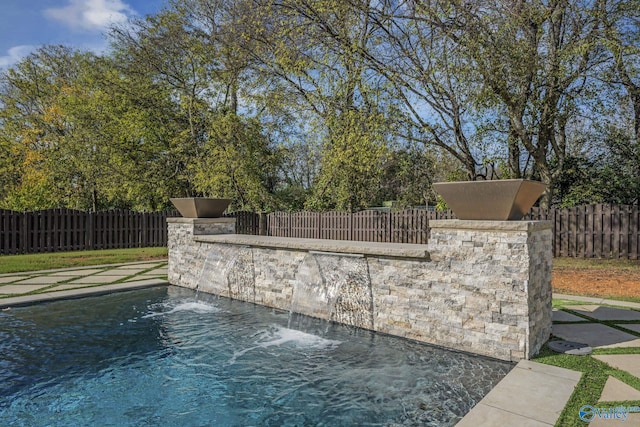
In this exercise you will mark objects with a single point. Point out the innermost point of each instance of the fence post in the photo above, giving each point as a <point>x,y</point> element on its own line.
<point>262,224</point>
<point>90,240</point>
<point>24,230</point>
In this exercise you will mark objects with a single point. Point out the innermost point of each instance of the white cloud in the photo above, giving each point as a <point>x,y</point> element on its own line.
<point>91,15</point>
<point>15,54</point>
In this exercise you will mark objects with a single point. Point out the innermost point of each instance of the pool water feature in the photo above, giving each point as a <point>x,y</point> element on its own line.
<point>162,356</point>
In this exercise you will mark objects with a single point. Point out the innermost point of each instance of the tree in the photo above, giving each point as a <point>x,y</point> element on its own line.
<point>352,164</point>
<point>33,125</point>
<point>237,163</point>
<point>534,59</point>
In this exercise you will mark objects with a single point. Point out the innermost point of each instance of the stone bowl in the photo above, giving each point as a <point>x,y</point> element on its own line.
<point>200,207</point>
<point>502,200</point>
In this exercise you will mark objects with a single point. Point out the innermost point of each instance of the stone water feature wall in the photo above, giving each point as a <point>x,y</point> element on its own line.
<point>478,286</point>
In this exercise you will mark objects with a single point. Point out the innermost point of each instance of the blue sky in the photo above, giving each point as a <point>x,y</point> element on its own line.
<point>27,24</point>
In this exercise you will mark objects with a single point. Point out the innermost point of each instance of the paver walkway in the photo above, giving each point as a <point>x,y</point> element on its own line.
<point>25,288</point>
<point>534,395</point>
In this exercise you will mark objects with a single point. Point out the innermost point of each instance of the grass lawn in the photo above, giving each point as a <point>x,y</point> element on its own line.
<point>51,260</point>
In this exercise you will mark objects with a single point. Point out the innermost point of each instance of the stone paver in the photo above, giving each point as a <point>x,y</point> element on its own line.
<point>19,289</point>
<point>626,362</point>
<point>615,390</point>
<point>563,316</point>
<point>547,389</point>
<point>606,313</point>
<point>596,335</point>
<point>44,280</point>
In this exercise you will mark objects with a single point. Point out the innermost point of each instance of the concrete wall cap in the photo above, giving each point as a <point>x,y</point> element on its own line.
<point>196,221</point>
<point>401,250</point>
<point>458,224</point>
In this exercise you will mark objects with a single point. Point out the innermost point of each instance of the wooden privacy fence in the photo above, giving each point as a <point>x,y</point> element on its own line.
<point>592,231</point>
<point>595,231</point>
<point>55,230</point>
<point>407,226</point>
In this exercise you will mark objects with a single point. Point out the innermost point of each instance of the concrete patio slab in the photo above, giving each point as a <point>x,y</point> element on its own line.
<point>126,270</point>
<point>626,362</point>
<point>486,416</point>
<point>595,335</point>
<point>150,264</point>
<point>149,275</point>
<point>563,316</point>
<point>44,280</point>
<point>19,289</point>
<point>633,326</point>
<point>547,389</point>
<point>116,272</point>
<point>78,293</point>
<point>97,279</point>
<point>615,390</point>
<point>68,286</point>
<point>9,279</point>
<point>159,271</point>
<point>80,272</point>
<point>606,313</point>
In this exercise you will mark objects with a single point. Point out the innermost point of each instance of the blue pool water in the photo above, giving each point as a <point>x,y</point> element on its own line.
<point>165,356</point>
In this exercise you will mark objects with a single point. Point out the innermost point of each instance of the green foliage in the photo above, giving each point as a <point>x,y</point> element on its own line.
<point>236,163</point>
<point>408,175</point>
<point>351,170</point>
<point>611,177</point>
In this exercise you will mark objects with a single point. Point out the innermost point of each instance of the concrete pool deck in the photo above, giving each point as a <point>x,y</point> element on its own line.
<point>532,394</point>
<point>17,289</point>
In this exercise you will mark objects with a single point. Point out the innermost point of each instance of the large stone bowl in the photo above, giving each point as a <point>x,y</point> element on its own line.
<point>200,207</point>
<point>502,200</point>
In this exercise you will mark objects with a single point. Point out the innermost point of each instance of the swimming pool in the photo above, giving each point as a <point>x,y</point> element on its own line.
<point>166,356</point>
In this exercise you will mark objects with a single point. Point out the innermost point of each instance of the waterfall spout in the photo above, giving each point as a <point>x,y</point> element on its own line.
<point>334,287</point>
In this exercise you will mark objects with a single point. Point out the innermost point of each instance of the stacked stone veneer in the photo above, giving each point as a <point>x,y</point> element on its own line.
<point>478,286</point>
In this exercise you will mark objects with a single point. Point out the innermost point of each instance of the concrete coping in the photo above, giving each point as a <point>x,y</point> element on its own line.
<point>399,250</point>
<point>196,221</point>
<point>482,225</point>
